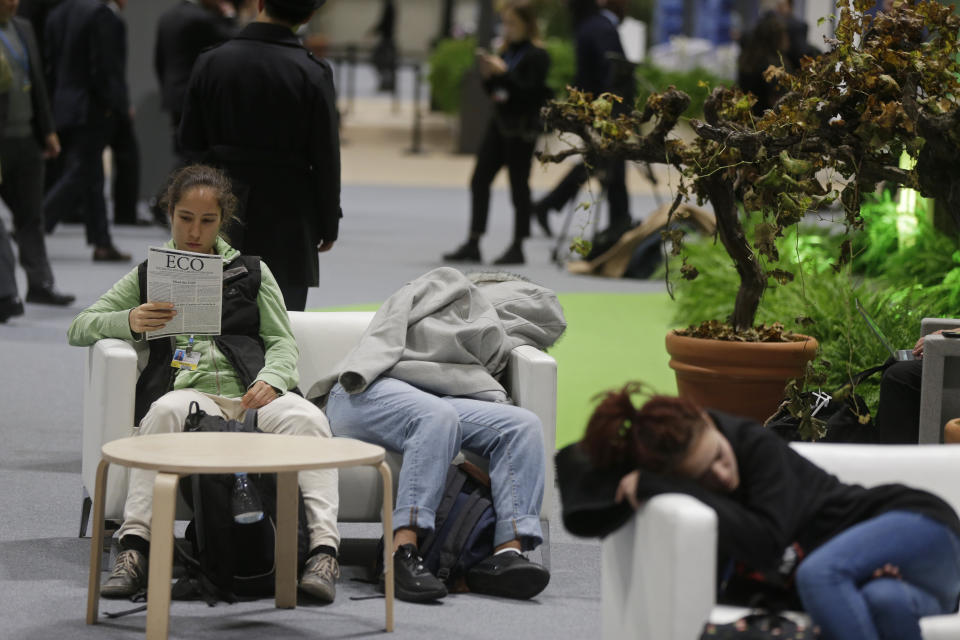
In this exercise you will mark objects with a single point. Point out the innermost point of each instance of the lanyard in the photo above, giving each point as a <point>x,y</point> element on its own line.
<point>23,58</point>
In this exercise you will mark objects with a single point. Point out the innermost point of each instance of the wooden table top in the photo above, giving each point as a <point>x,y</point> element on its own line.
<point>226,452</point>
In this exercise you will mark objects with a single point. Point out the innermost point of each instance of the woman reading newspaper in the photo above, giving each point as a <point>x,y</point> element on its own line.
<point>251,364</point>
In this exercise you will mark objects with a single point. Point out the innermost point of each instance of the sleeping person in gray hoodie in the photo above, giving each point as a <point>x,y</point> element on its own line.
<point>424,381</point>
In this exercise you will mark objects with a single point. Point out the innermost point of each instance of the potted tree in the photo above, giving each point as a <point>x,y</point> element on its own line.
<point>888,87</point>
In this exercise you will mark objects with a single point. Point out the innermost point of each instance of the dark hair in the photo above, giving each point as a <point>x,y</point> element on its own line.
<point>654,437</point>
<point>290,15</point>
<point>201,175</point>
<point>527,13</point>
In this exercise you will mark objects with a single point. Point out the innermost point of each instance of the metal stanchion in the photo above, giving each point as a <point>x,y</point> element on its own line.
<point>416,146</point>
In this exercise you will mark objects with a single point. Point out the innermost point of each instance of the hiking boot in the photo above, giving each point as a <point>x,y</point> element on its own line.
<point>469,251</point>
<point>508,575</point>
<point>319,577</point>
<point>129,575</point>
<point>412,581</point>
<point>513,255</point>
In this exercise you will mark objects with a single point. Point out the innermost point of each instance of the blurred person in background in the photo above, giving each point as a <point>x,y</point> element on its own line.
<point>516,81</point>
<point>27,136</point>
<point>601,67</point>
<point>86,57</point>
<point>184,31</point>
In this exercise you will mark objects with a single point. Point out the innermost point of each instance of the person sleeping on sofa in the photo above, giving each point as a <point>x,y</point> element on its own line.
<point>866,563</point>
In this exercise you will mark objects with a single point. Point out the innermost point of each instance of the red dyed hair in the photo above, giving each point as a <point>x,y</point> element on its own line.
<point>654,437</point>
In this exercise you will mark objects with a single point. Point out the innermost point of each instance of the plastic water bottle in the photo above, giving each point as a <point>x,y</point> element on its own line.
<point>247,507</point>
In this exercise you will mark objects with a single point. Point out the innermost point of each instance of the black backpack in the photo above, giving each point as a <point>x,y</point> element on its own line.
<point>230,560</point>
<point>463,528</point>
<point>463,531</point>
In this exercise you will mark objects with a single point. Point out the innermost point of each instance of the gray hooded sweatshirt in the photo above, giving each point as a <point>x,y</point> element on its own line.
<point>451,334</point>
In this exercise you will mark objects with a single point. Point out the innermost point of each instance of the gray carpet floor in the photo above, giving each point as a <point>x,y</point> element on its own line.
<point>389,236</point>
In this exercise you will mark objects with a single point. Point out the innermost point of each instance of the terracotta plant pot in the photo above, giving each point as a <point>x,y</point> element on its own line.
<point>742,378</point>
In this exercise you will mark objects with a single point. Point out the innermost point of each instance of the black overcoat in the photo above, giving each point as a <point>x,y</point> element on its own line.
<point>263,108</point>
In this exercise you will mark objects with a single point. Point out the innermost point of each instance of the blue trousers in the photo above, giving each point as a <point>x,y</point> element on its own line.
<point>429,431</point>
<point>838,590</point>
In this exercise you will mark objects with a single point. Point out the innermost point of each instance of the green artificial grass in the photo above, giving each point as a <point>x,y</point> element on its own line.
<point>611,338</point>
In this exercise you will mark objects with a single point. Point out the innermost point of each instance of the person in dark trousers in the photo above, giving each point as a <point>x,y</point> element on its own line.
<point>184,31</point>
<point>384,55</point>
<point>898,411</point>
<point>27,136</point>
<point>516,82</point>
<point>866,562</point>
<point>86,57</point>
<point>263,107</point>
<point>601,67</point>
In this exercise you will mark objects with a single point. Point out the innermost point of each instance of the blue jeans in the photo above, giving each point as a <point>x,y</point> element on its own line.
<point>839,592</point>
<point>429,431</point>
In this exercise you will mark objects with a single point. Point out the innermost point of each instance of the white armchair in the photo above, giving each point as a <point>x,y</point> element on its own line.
<point>658,572</point>
<point>940,385</point>
<point>323,339</point>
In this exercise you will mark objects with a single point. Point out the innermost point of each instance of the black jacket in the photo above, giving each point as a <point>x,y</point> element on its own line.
<point>86,54</point>
<point>601,63</point>
<point>42,117</point>
<point>783,498</point>
<point>519,94</point>
<point>263,108</point>
<point>184,31</point>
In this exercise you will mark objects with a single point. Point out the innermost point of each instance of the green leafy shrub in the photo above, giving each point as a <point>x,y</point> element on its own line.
<point>449,62</point>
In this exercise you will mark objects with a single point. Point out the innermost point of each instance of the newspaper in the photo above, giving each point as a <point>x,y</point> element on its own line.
<point>193,282</point>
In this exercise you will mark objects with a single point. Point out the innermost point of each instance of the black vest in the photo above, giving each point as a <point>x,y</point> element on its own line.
<point>239,338</point>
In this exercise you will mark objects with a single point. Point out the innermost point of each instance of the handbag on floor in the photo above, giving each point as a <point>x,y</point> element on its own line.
<point>759,626</point>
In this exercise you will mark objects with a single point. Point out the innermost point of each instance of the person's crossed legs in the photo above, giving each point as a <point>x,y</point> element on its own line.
<point>429,431</point>
<point>288,414</point>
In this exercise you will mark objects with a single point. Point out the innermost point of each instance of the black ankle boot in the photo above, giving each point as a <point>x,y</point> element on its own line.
<point>469,251</point>
<point>513,255</point>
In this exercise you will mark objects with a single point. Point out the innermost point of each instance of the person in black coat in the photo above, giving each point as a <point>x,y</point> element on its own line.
<point>865,562</point>
<point>516,82</point>
<point>601,67</point>
<point>27,137</point>
<point>86,58</point>
<point>184,31</point>
<point>263,107</point>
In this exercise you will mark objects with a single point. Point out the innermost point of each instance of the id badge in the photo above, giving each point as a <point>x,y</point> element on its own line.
<point>185,359</point>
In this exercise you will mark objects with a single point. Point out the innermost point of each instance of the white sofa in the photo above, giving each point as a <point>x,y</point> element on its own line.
<point>659,570</point>
<point>323,339</point>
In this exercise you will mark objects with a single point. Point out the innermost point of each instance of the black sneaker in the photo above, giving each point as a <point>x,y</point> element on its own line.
<point>412,581</point>
<point>513,255</point>
<point>129,575</point>
<point>469,251</point>
<point>10,307</point>
<point>49,295</point>
<point>508,575</point>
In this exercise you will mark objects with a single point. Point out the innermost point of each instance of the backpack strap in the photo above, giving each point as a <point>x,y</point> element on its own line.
<point>453,546</point>
<point>454,483</point>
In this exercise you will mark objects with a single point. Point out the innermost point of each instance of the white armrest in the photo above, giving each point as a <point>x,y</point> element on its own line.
<point>929,325</point>
<point>532,383</point>
<point>110,383</point>
<point>658,571</point>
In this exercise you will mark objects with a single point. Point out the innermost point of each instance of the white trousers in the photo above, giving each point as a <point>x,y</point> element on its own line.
<point>288,414</point>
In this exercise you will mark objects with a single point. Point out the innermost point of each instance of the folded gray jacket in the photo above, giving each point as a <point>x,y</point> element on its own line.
<point>451,334</point>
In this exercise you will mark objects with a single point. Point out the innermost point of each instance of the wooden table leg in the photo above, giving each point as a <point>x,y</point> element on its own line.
<point>286,549</point>
<point>387,477</point>
<point>96,543</point>
<point>161,555</point>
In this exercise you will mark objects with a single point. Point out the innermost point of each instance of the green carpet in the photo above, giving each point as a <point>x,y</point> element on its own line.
<point>611,339</point>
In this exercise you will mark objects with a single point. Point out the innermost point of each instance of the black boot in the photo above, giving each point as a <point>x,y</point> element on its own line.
<point>513,255</point>
<point>469,251</point>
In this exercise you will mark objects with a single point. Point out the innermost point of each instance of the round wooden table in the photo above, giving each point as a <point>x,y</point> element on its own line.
<point>176,454</point>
